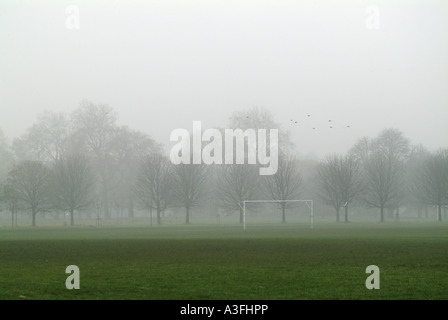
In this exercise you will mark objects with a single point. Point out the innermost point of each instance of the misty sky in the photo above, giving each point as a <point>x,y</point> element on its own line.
<point>163,64</point>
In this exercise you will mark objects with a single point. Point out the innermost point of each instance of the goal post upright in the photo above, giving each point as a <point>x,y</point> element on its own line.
<point>311,206</point>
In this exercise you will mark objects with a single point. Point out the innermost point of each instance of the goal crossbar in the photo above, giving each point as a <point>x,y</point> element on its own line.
<point>308,202</point>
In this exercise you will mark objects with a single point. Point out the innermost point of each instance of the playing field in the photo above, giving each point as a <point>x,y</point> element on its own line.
<point>266,261</point>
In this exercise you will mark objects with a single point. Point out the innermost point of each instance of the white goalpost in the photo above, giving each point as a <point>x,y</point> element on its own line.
<point>308,202</point>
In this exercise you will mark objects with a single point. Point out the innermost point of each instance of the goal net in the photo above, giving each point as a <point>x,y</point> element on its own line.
<point>295,206</point>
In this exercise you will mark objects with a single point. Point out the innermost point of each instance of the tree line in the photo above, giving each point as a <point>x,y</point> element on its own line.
<point>85,161</point>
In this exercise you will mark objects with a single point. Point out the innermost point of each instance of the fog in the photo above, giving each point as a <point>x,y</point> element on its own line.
<point>164,64</point>
<point>223,150</point>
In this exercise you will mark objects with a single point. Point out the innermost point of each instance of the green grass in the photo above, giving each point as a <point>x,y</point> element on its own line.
<point>225,262</point>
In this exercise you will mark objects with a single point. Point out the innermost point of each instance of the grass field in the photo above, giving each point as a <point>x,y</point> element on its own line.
<point>185,262</point>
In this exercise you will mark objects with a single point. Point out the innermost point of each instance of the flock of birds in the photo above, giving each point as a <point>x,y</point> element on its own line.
<point>314,128</point>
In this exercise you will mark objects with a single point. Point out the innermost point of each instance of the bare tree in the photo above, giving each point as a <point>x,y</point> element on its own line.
<point>383,179</point>
<point>350,182</point>
<point>190,182</point>
<point>260,118</point>
<point>433,182</point>
<point>239,182</point>
<point>383,160</point>
<point>29,181</point>
<point>417,160</point>
<point>72,184</point>
<point>94,132</point>
<point>9,196</point>
<point>392,144</point>
<point>236,183</point>
<point>361,149</point>
<point>154,186</point>
<point>46,140</point>
<point>127,149</point>
<point>6,157</point>
<point>327,184</point>
<point>285,184</point>
<point>396,148</point>
<point>339,182</point>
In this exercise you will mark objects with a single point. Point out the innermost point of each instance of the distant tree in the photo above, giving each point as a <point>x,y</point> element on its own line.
<point>383,182</point>
<point>351,182</point>
<point>239,182</point>
<point>260,118</point>
<point>383,161</point>
<point>361,150</point>
<point>285,184</point>
<point>46,140</point>
<point>392,144</point>
<point>339,182</point>
<point>72,183</point>
<point>154,185</point>
<point>433,182</point>
<point>327,176</point>
<point>94,127</point>
<point>6,157</point>
<point>416,162</point>
<point>9,197</point>
<point>94,131</point>
<point>127,149</point>
<point>29,183</point>
<point>190,182</point>
<point>236,183</point>
<point>396,148</point>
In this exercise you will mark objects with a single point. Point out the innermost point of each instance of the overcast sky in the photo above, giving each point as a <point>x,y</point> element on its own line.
<point>163,64</point>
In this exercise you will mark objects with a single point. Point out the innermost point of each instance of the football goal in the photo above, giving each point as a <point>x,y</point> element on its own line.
<point>309,204</point>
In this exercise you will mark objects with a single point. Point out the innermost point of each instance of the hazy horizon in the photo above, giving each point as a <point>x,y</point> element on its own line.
<point>164,64</point>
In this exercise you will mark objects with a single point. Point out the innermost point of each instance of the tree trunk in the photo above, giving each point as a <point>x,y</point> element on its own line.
<point>397,213</point>
<point>12,218</point>
<point>439,212</point>
<point>159,220</point>
<point>382,214</point>
<point>346,213</point>
<point>131,207</point>
<point>241,215</point>
<point>150,215</point>
<point>72,218</point>
<point>445,213</point>
<point>106,202</point>
<point>390,212</point>
<point>187,215</point>
<point>283,213</point>
<point>33,213</point>
<point>426,212</point>
<point>337,213</point>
